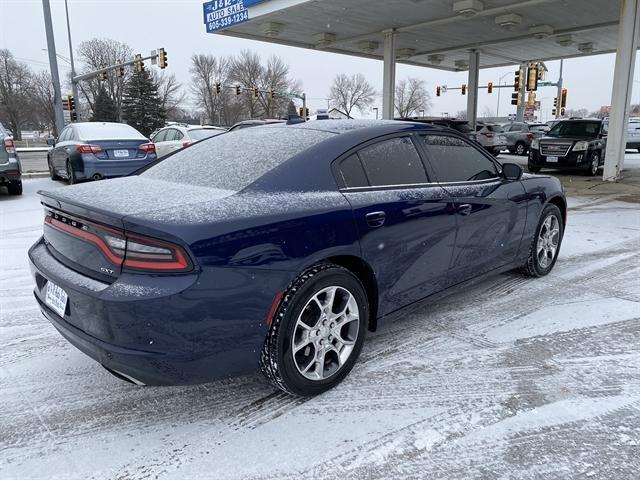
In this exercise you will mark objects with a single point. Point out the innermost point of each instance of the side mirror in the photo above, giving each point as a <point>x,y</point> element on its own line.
<point>51,141</point>
<point>511,171</point>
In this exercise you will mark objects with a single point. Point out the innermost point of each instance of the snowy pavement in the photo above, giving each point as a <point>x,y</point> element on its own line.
<point>515,378</point>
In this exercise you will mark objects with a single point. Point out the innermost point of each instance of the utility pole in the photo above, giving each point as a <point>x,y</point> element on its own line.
<point>559,90</point>
<point>74,85</point>
<point>53,65</point>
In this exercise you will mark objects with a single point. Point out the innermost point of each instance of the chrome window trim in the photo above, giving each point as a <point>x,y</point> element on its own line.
<point>418,185</point>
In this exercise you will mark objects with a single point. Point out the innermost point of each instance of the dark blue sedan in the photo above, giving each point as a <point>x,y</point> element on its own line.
<point>280,246</point>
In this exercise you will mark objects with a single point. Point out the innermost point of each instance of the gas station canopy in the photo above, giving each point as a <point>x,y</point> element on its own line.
<point>440,33</point>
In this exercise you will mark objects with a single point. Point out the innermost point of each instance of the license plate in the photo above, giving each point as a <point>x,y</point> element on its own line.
<point>552,159</point>
<point>56,298</point>
<point>121,153</point>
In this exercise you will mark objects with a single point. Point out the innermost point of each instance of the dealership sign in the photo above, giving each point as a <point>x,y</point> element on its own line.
<point>220,14</point>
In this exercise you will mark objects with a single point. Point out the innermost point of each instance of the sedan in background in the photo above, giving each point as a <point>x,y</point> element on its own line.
<point>633,133</point>
<point>10,169</point>
<point>97,150</point>
<point>279,247</point>
<point>175,137</point>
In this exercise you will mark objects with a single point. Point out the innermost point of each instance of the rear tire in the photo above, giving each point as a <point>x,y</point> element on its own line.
<point>15,187</point>
<point>328,336</point>
<point>546,242</point>
<point>521,149</point>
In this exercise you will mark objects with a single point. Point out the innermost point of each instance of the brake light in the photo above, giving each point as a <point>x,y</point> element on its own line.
<point>89,148</point>
<point>129,251</point>
<point>185,144</point>
<point>9,146</point>
<point>147,147</point>
<point>530,136</point>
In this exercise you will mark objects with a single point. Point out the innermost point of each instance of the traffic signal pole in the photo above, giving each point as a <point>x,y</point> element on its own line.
<point>95,73</point>
<point>53,66</point>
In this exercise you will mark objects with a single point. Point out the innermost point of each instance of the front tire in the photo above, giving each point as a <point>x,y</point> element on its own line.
<point>15,187</point>
<point>71,175</point>
<point>594,165</point>
<point>546,243</point>
<point>317,331</point>
<point>521,149</point>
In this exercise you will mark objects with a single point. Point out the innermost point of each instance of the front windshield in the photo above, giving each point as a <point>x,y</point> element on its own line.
<point>575,130</point>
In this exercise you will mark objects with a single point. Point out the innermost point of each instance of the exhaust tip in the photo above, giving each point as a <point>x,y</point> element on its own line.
<point>123,376</point>
<point>97,176</point>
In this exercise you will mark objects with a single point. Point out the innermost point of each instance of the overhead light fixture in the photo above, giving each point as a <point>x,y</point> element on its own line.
<point>272,29</point>
<point>436,59</point>
<point>587,47</point>
<point>564,40</point>
<point>468,8</point>
<point>404,53</point>
<point>323,39</point>
<point>541,31</point>
<point>509,21</point>
<point>368,46</point>
<point>461,64</point>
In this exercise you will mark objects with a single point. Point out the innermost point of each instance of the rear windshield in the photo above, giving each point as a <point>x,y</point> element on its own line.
<point>108,131</point>
<point>236,159</point>
<point>575,129</point>
<point>202,133</point>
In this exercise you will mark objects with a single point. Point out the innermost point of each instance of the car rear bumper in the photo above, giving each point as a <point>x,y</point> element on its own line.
<point>633,144</point>
<point>572,161</point>
<point>155,330</point>
<point>95,168</point>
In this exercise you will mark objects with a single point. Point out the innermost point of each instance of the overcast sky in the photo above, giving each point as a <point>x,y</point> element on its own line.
<point>177,26</point>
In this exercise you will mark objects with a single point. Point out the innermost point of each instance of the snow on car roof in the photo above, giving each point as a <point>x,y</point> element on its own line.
<point>107,131</point>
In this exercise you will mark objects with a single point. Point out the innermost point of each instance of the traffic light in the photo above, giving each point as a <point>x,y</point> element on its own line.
<point>272,94</point>
<point>555,102</point>
<point>563,99</point>
<point>162,58</point>
<point>120,72</point>
<point>515,98</point>
<point>256,92</point>
<point>102,75</point>
<point>307,112</point>
<point>464,89</point>
<point>218,88</point>
<point>238,90</point>
<point>139,65</point>
<point>532,77</point>
<point>516,83</point>
<point>72,103</point>
<point>531,99</point>
<point>438,91</point>
<point>490,87</point>
<point>553,112</point>
<point>562,112</point>
<point>301,111</point>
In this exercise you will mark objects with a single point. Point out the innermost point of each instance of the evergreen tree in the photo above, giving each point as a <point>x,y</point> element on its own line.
<point>141,105</point>
<point>104,109</point>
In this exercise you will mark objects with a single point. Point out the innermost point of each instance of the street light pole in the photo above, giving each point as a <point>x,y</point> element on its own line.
<point>53,66</point>
<point>74,85</point>
<point>499,84</point>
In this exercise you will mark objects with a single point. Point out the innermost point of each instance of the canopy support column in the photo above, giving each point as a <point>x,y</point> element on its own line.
<point>472,88</point>
<point>389,75</point>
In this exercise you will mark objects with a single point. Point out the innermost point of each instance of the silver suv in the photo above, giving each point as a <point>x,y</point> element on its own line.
<point>10,169</point>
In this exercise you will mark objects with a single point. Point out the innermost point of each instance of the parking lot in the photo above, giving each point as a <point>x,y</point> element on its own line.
<point>512,378</point>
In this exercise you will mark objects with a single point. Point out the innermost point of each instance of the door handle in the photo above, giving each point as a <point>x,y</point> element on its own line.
<point>464,209</point>
<point>375,219</point>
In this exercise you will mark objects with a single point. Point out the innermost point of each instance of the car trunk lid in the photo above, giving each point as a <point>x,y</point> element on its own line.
<point>118,149</point>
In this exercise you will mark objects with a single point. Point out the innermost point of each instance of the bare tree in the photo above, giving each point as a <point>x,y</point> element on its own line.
<point>461,115</point>
<point>98,53</point>
<point>351,92</point>
<point>169,91</point>
<point>247,71</point>
<point>576,112</point>
<point>206,70</point>
<point>411,97</point>
<point>43,98</point>
<point>487,112</point>
<point>15,88</point>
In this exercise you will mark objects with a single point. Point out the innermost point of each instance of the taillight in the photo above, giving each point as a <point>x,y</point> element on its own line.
<point>530,136</point>
<point>89,148</point>
<point>131,252</point>
<point>9,146</point>
<point>185,144</point>
<point>147,147</point>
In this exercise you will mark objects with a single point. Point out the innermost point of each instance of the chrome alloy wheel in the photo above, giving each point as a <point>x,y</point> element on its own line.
<point>325,333</point>
<point>548,240</point>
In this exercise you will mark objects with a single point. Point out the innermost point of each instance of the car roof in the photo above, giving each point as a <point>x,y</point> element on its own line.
<point>340,126</point>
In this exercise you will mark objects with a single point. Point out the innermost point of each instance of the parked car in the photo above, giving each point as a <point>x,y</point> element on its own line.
<point>278,247</point>
<point>10,169</point>
<point>255,123</point>
<point>461,126</point>
<point>552,123</point>
<point>520,134</point>
<point>97,150</point>
<point>571,145</point>
<point>633,133</point>
<point>170,139</point>
<point>491,137</point>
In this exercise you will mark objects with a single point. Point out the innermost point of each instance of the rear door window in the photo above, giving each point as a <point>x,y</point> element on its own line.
<point>455,160</point>
<point>393,162</point>
<point>160,136</point>
<point>352,173</point>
